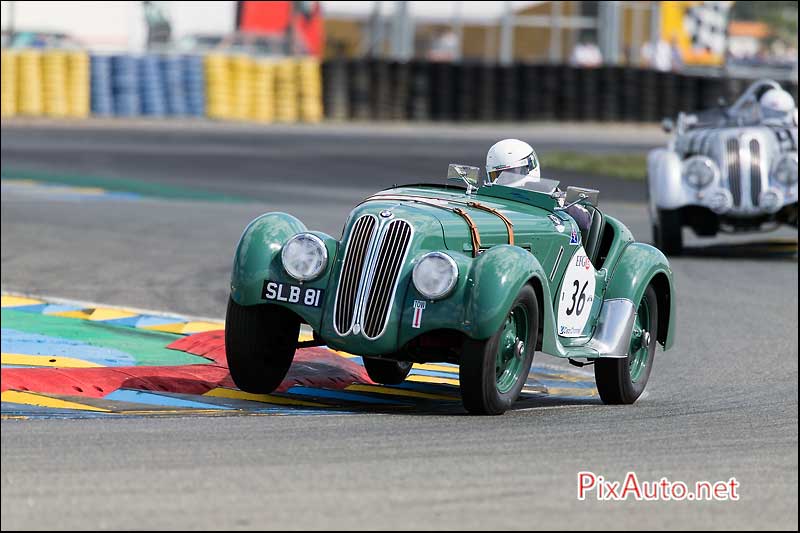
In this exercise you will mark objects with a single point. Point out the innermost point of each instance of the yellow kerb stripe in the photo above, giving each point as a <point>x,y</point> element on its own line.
<point>263,398</point>
<point>46,360</point>
<point>29,398</point>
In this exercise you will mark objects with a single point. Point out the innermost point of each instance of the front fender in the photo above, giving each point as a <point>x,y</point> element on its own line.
<point>639,266</point>
<point>258,258</point>
<point>664,180</point>
<point>497,275</point>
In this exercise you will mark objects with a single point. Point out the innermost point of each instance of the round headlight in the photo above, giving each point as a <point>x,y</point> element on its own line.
<point>771,200</point>
<point>785,170</point>
<point>699,171</point>
<point>435,275</point>
<point>304,256</point>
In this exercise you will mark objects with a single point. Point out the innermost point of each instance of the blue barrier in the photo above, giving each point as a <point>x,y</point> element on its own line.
<point>172,70</point>
<point>101,91</point>
<point>125,81</point>
<point>194,77</point>
<point>151,86</point>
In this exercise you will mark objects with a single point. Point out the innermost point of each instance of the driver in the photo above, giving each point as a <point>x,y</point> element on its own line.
<point>517,162</point>
<point>777,106</point>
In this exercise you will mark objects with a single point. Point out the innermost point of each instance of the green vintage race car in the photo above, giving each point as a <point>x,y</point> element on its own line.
<point>480,276</point>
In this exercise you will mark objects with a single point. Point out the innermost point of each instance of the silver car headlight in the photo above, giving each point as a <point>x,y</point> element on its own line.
<point>785,170</point>
<point>435,275</point>
<point>304,256</point>
<point>700,171</point>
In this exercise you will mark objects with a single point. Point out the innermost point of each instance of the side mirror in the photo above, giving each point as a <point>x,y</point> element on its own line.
<point>584,196</point>
<point>667,125</point>
<point>465,174</point>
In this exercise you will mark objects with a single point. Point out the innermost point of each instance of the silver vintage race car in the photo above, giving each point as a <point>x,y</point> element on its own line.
<point>728,169</point>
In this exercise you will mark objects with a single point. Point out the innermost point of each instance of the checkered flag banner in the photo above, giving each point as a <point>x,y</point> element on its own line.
<point>706,23</point>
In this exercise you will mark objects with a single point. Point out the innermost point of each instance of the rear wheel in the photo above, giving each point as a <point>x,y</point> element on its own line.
<point>622,381</point>
<point>386,371</point>
<point>493,371</point>
<point>260,341</point>
<point>668,231</point>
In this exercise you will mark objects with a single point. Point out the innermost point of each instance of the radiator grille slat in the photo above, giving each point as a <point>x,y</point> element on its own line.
<point>755,171</point>
<point>350,276</point>
<point>734,170</point>
<point>391,254</point>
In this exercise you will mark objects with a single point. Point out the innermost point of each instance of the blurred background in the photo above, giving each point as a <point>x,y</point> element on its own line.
<point>443,61</point>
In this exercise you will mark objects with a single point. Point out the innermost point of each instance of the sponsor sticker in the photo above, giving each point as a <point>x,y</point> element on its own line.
<point>575,238</point>
<point>577,295</point>
<point>419,307</point>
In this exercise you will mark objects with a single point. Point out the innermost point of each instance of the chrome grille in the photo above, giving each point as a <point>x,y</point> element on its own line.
<point>755,171</point>
<point>734,170</point>
<point>388,263</point>
<point>350,276</point>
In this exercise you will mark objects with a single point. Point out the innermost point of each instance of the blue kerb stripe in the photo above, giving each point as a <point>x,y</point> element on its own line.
<point>562,384</point>
<point>433,373</point>
<point>36,308</point>
<point>149,398</point>
<point>60,308</point>
<point>342,395</point>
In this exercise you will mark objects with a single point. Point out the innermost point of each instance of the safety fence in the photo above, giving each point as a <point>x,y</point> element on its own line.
<point>380,90</point>
<point>56,83</point>
<point>245,88</point>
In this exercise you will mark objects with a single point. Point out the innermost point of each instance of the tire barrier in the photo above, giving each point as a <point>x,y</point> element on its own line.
<point>9,62</point>
<point>102,102</point>
<point>59,83</point>
<point>263,91</point>
<point>225,87</point>
<point>30,95</point>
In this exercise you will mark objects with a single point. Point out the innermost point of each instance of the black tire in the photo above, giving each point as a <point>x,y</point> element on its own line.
<point>260,341</point>
<point>613,376</point>
<point>668,231</point>
<point>386,371</point>
<point>478,378</point>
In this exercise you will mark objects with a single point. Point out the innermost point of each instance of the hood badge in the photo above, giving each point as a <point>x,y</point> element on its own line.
<point>386,214</point>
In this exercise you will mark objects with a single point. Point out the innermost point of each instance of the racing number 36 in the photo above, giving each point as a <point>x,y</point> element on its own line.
<point>578,302</point>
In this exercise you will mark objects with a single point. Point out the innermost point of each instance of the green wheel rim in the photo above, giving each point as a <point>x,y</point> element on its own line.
<point>639,351</point>
<point>511,349</point>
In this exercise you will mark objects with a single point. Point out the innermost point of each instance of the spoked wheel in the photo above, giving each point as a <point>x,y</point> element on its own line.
<point>622,381</point>
<point>493,371</point>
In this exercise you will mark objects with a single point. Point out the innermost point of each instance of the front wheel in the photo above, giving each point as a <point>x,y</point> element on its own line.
<point>386,371</point>
<point>622,381</point>
<point>260,341</point>
<point>493,371</point>
<point>668,231</point>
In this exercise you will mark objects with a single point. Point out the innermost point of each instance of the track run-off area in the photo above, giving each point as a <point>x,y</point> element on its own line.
<point>118,411</point>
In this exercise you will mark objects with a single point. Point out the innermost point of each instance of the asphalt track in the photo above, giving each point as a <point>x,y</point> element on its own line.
<point>721,404</point>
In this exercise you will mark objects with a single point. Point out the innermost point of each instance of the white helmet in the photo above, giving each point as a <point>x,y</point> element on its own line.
<point>512,156</point>
<point>777,104</point>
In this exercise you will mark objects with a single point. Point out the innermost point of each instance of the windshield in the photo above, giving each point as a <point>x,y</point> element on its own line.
<point>513,179</point>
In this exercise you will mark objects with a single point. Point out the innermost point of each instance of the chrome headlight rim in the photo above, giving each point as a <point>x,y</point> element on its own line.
<point>453,278</point>
<point>789,160</point>
<point>706,162</point>
<point>321,248</point>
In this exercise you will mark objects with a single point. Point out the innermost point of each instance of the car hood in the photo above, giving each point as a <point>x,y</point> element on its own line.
<point>436,225</point>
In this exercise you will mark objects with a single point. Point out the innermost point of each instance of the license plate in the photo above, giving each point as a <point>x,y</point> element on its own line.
<point>291,294</point>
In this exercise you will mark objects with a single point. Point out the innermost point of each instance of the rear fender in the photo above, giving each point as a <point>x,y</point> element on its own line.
<point>642,265</point>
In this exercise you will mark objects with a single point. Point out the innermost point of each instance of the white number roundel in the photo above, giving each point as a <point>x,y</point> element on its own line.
<point>577,295</point>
